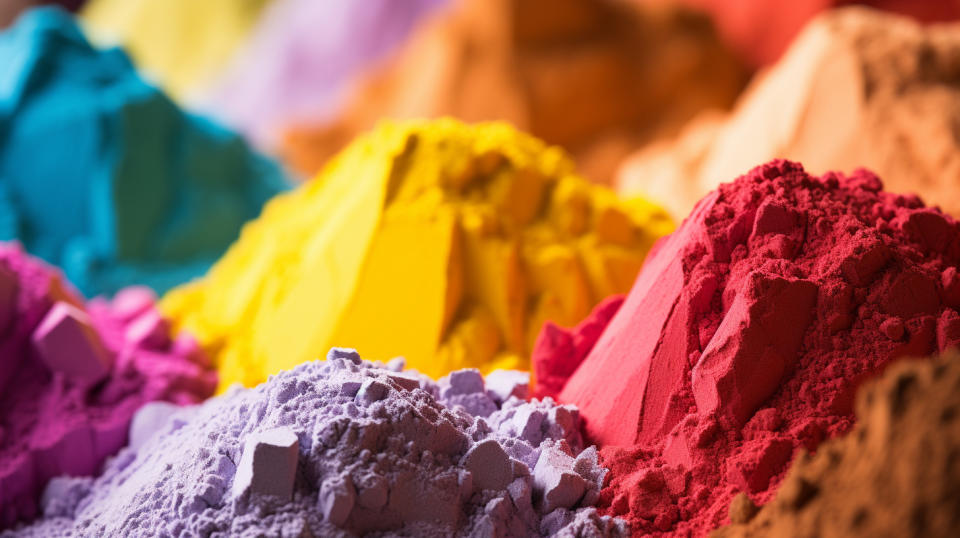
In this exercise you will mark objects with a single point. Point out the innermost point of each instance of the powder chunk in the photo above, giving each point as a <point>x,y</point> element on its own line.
<point>443,225</point>
<point>408,464</point>
<point>147,421</point>
<point>102,175</point>
<point>70,383</point>
<point>755,344</point>
<point>268,465</point>
<point>68,343</point>
<point>489,465</point>
<point>719,329</point>
<point>556,480</point>
<point>336,500</point>
<point>858,87</point>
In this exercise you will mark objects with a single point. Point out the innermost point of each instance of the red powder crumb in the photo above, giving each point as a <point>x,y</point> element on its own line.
<point>746,335</point>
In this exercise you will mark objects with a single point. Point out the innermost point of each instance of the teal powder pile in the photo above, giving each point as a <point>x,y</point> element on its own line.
<point>101,174</point>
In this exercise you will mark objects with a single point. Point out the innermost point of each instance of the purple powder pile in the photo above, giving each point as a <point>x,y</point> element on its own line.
<point>345,447</point>
<point>72,375</point>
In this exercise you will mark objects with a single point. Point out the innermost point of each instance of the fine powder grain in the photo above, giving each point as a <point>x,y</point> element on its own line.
<point>344,447</point>
<point>748,331</point>
<point>73,374</point>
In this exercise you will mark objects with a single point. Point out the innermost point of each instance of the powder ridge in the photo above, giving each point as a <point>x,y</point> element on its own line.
<point>103,176</point>
<point>73,374</point>
<point>894,474</point>
<point>596,77</point>
<point>473,236</point>
<point>747,332</point>
<point>858,87</point>
<point>379,452</point>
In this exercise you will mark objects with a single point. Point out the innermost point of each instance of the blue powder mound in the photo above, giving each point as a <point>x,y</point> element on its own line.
<point>102,174</point>
<point>345,447</point>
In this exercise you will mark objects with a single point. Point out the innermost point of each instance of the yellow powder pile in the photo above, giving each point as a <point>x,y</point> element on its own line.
<point>182,43</point>
<point>446,243</point>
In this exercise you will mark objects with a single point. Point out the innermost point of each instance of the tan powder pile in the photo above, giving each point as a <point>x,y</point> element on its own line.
<point>858,88</point>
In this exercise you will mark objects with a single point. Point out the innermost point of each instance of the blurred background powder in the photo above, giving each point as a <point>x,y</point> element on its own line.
<point>300,61</point>
<point>103,175</point>
<point>858,87</point>
<point>596,77</point>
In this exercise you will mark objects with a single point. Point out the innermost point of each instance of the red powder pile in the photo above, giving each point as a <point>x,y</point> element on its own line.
<point>746,334</point>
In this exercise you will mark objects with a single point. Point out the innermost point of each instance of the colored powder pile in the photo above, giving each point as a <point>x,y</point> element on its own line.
<point>72,376</point>
<point>343,448</point>
<point>184,44</point>
<point>895,474</point>
<point>596,77</point>
<point>303,57</point>
<point>760,30</point>
<point>10,9</point>
<point>103,176</point>
<point>472,235</point>
<point>858,88</point>
<point>747,332</point>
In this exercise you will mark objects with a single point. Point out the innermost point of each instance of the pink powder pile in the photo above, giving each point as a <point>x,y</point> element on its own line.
<point>73,374</point>
<point>746,334</point>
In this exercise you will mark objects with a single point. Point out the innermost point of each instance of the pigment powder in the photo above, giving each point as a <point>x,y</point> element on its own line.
<point>859,87</point>
<point>747,332</point>
<point>345,447</point>
<point>894,474</point>
<point>73,374</point>
<point>303,57</point>
<point>595,77</point>
<point>183,43</point>
<point>473,236</point>
<point>103,176</point>
<point>761,30</point>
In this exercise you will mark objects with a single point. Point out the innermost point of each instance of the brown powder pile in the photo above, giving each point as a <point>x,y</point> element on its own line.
<point>896,474</point>
<point>597,77</point>
<point>858,88</point>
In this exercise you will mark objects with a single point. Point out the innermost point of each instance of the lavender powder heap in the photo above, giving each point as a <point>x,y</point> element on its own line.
<point>341,448</point>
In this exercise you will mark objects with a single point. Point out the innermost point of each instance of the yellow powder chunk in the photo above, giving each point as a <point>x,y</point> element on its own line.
<point>446,243</point>
<point>182,43</point>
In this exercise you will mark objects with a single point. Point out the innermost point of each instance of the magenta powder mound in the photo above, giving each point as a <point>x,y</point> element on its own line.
<point>346,447</point>
<point>73,374</point>
<point>303,57</point>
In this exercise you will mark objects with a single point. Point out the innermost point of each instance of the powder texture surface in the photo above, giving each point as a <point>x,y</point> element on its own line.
<point>859,87</point>
<point>378,452</point>
<point>760,30</point>
<point>73,374</point>
<point>472,235</point>
<point>103,176</point>
<point>596,77</point>
<point>747,332</point>
<point>302,59</point>
<point>894,474</point>
<point>183,44</point>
